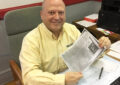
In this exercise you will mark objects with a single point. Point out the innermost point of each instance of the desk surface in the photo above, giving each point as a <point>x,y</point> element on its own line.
<point>110,73</point>
<point>113,37</point>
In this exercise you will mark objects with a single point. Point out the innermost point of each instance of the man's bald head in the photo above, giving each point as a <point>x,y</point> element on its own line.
<point>46,3</point>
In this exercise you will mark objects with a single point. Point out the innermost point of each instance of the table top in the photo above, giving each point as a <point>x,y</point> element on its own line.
<point>113,37</point>
<point>91,74</point>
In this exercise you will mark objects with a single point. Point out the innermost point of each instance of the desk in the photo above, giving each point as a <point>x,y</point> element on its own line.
<point>113,37</point>
<point>110,73</point>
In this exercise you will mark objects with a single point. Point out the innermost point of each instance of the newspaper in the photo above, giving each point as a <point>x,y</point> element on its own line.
<point>82,53</point>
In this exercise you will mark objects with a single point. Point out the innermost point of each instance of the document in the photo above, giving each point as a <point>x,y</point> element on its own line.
<point>115,50</point>
<point>114,54</point>
<point>91,18</point>
<point>82,53</point>
<point>116,47</point>
<point>91,74</point>
<point>85,23</point>
<point>109,78</point>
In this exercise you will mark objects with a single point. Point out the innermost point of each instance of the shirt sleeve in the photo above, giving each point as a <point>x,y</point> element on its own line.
<point>77,33</point>
<point>31,64</point>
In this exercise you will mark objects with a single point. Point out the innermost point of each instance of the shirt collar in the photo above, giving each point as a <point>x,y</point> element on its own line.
<point>50,34</point>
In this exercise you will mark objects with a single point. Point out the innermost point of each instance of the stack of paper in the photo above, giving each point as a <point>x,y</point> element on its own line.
<point>116,46</point>
<point>115,50</point>
<point>91,18</point>
<point>85,23</point>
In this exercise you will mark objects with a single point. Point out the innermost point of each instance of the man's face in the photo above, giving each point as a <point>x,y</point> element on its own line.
<point>53,16</point>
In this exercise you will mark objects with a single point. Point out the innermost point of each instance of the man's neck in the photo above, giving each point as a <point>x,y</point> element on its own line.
<point>56,34</point>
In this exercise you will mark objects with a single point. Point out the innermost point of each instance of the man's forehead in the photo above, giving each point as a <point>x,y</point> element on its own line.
<point>49,1</point>
<point>56,8</point>
<point>53,3</point>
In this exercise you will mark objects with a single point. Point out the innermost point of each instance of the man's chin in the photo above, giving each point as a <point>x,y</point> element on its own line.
<point>57,26</point>
<point>56,29</point>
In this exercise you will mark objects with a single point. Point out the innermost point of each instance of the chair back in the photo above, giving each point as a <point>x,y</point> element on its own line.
<point>18,23</point>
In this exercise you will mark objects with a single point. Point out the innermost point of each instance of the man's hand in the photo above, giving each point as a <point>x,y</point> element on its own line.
<point>104,42</point>
<point>71,78</point>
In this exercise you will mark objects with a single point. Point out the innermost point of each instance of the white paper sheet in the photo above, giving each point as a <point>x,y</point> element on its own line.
<point>85,23</point>
<point>91,75</point>
<point>107,80</point>
<point>114,54</point>
<point>116,46</point>
<point>92,16</point>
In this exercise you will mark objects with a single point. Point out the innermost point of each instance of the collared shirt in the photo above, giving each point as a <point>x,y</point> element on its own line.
<point>40,55</point>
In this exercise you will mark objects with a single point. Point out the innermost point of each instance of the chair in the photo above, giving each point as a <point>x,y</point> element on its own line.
<point>18,23</point>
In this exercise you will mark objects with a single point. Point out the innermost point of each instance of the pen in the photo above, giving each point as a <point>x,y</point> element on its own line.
<point>101,71</point>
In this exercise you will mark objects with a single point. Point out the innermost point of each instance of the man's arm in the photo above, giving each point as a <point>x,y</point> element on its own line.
<point>31,64</point>
<point>72,78</point>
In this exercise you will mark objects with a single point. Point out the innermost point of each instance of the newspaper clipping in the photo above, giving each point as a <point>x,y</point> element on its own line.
<point>82,53</point>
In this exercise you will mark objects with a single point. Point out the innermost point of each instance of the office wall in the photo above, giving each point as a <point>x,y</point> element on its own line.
<point>13,3</point>
<point>5,74</point>
<point>8,5</point>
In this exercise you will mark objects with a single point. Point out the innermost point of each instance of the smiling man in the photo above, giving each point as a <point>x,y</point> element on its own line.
<point>41,49</point>
<point>53,16</point>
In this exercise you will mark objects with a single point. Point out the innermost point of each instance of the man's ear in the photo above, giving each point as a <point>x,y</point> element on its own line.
<point>41,14</point>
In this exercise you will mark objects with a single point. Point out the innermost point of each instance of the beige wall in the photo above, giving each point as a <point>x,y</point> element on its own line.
<point>13,3</point>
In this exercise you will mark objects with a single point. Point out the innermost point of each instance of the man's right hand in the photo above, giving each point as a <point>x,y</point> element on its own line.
<point>72,78</point>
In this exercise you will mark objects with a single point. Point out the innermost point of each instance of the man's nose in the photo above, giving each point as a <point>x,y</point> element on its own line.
<point>57,16</point>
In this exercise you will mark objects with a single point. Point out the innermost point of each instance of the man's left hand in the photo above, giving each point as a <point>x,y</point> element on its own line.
<point>104,42</point>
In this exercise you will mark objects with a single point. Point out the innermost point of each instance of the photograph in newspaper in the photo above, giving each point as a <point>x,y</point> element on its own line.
<point>84,51</point>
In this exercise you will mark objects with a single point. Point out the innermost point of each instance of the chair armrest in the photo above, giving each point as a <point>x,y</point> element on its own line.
<point>13,82</point>
<point>16,71</point>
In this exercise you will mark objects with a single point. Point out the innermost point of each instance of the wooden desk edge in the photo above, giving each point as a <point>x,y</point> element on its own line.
<point>111,56</point>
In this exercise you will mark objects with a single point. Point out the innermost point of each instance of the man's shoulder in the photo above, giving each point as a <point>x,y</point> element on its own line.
<point>71,30</point>
<point>33,33</point>
<point>70,27</point>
